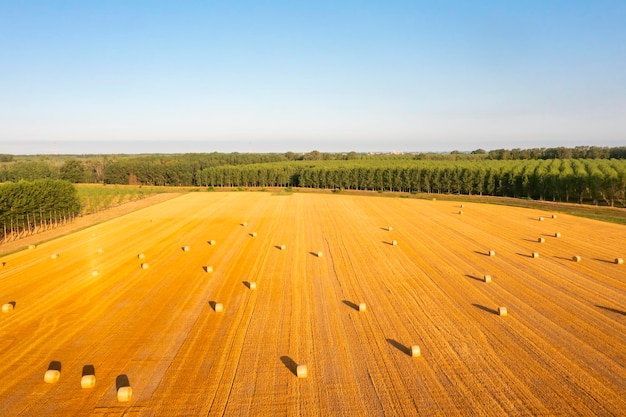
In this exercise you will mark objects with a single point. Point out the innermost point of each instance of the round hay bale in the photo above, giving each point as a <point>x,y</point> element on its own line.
<point>208,269</point>
<point>554,216</point>
<point>253,234</point>
<point>462,205</point>
<point>492,253</point>
<point>434,199</point>
<point>100,251</point>
<point>7,308</point>
<point>362,307</point>
<point>487,278</point>
<point>212,242</point>
<point>302,371</point>
<point>252,285</point>
<point>320,254</point>
<point>557,234</point>
<point>244,223</point>
<point>460,211</point>
<point>124,394</point>
<point>415,351</point>
<point>541,240</point>
<point>32,246</point>
<point>52,376</point>
<point>576,258</point>
<point>54,256</point>
<point>219,307</point>
<point>145,266</point>
<point>283,247</point>
<point>141,256</point>
<point>535,255</point>
<point>540,218</point>
<point>502,311</point>
<point>88,381</point>
<point>186,248</point>
<point>394,243</point>
<point>94,273</point>
<point>389,228</point>
<point>619,261</point>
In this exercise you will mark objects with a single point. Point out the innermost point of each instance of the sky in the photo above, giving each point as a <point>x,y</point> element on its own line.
<point>134,76</point>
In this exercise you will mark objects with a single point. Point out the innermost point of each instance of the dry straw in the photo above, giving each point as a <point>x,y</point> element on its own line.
<point>302,371</point>
<point>619,261</point>
<point>541,240</point>
<point>415,351</point>
<point>52,376</point>
<point>576,258</point>
<point>7,308</point>
<point>535,255</point>
<point>124,394</point>
<point>88,381</point>
<point>362,307</point>
<point>487,278</point>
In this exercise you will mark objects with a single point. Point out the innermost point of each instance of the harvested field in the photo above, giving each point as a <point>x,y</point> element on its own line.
<point>559,351</point>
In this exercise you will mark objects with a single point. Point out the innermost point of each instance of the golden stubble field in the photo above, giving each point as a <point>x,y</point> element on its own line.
<point>560,350</point>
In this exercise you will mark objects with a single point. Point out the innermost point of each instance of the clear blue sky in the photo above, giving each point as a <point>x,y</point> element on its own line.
<point>141,76</point>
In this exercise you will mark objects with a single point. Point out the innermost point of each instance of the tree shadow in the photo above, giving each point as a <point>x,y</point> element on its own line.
<point>612,310</point>
<point>404,349</point>
<point>54,366</point>
<point>474,277</point>
<point>487,309</point>
<point>351,304</point>
<point>89,370</point>
<point>121,381</point>
<point>290,364</point>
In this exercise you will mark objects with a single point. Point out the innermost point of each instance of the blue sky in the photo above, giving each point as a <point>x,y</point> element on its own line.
<point>276,76</point>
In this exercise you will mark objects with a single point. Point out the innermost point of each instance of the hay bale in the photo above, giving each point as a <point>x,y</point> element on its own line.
<point>554,216</point>
<point>320,254</point>
<point>535,255</point>
<point>460,211</point>
<point>487,278</point>
<point>557,234</point>
<point>124,394</point>
<point>283,247</point>
<point>244,223</point>
<point>415,351</point>
<point>54,256</point>
<point>100,250</point>
<point>88,381</point>
<point>218,307</point>
<point>94,273</point>
<point>502,311</point>
<point>208,269</point>
<point>141,256</point>
<point>394,243</point>
<point>252,285</point>
<point>52,376</point>
<point>32,246</point>
<point>492,253</point>
<point>302,371</point>
<point>541,240</point>
<point>253,234</point>
<point>462,205</point>
<point>576,258</point>
<point>540,218</point>
<point>7,308</point>
<point>186,248</point>
<point>389,228</point>
<point>619,261</point>
<point>145,266</point>
<point>212,242</point>
<point>362,307</point>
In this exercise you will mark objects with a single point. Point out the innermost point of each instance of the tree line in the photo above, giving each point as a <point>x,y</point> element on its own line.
<point>28,207</point>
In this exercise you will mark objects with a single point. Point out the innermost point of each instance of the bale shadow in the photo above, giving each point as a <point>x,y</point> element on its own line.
<point>121,381</point>
<point>612,310</point>
<point>563,258</point>
<point>13,303</point>
<point>387,243</point>
<point>4,263</point>
<point>525,255</point>
<point>313,253</point>
<point>54,366</point>
<point>351,304</point>
<point>482,253</point>
<point>206,268</point>
<point>213,304</point>
<point>474,277</point>
<point>385,229</point>
<point>251,234</point>
<point>89,370</point>
<point>530,240</point>
<point>290,364</point>
<point>487,309</point>
<point>603,260</point>
<point>246,283</point>
<point>404,349</point>
<point>277,247</point>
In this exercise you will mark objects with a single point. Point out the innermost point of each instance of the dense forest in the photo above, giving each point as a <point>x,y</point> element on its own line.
<point>27,207</point>
<point>595,175</point>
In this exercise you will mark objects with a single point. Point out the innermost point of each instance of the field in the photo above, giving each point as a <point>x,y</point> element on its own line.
<point>560,350</point>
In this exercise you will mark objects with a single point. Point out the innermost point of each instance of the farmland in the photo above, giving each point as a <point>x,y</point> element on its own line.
<point>558,351</point>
